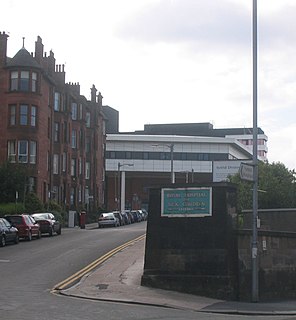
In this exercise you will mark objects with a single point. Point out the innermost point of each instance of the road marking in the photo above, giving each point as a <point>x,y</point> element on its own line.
<point>63,284</point>
<point>5,261</point>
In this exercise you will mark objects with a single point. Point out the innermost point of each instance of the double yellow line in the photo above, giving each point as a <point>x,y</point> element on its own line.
<point>78,275</point>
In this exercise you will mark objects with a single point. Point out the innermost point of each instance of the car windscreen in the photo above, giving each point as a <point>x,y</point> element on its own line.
<point>106,215</point>
<point>40,216</point>
<point>15,219</point>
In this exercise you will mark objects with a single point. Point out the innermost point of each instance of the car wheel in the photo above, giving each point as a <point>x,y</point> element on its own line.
<point>59,232</point>
<point>50,232</point>
<point>3,241</point>
<point>29,237</point>
<point>39,234</point>
<point>17,239</point>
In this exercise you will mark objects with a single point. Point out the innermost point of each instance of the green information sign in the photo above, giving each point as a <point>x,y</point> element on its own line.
<point>186,202</point>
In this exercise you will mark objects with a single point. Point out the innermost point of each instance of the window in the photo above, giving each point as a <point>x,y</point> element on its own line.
<point>23,114</point>
<point>74,110</point>
<point>14,81</point>
<point>34,82</point>
<point>80,166</point>
<point>64,161</point>
<point>33,152</point>
<point>12,110</point>
<point>11,151</point>
<point>73,167</point>
<point>23,151</point>
<point>24,81</point>
<point>87,170</point>
<point>87,119</point>
<point>33,116</point>
<point>57,101</point>
<point>72,196</point>
<point>55,164</point>
<point>80,111</point>
<point>56,134</point>
<point>74,139</point>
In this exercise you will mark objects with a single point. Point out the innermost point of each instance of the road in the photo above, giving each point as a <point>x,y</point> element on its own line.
<point>29,271</point>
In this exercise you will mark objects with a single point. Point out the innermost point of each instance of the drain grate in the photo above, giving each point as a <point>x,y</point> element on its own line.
<point>102,286</point>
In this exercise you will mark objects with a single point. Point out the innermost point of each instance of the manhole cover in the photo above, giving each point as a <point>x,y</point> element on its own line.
<point>102,286</point>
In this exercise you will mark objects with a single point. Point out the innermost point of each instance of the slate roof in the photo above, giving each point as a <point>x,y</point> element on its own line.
<point>23,59</point>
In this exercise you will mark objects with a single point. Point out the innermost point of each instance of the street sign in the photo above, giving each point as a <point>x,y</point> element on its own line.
<point>186,202</point>
<point>246,172</point>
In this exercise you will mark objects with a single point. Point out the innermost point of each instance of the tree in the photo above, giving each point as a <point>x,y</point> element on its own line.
<point>276,187</point>
<point>33,203</point>
<point>13,179</point>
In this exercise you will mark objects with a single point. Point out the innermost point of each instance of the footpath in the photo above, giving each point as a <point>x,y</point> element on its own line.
<point>118,280</point>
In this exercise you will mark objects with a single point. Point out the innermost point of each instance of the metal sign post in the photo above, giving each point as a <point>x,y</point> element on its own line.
<point>255,163</point>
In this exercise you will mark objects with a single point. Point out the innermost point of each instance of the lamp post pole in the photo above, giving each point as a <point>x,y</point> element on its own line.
<point>255,163</point>
<point>121,190</point>
<point>171,146</point>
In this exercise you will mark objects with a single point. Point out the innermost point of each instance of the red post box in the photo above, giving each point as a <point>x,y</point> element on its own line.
<point>82,219</point>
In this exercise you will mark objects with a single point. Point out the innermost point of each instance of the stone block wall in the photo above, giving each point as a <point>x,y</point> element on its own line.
<point>196,255</point>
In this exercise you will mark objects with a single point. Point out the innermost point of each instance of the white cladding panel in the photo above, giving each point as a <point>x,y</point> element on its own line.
<point>181,144</point>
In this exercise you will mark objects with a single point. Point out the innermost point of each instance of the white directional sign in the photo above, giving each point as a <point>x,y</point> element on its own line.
<point>246,172</point>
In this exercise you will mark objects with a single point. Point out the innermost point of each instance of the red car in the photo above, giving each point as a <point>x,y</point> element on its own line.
<point>26,225</point>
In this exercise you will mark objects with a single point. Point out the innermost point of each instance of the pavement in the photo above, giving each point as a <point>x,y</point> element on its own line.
<point>118,278</point>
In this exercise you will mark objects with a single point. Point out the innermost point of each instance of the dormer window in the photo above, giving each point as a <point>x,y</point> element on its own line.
<point>23,80</point>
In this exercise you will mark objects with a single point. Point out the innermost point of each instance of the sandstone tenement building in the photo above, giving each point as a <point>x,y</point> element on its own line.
<point>47,126</point>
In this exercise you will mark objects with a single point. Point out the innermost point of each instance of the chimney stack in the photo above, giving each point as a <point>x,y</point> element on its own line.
<point>3,48</point>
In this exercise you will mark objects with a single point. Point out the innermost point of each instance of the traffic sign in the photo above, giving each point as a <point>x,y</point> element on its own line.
<point>246,172</point>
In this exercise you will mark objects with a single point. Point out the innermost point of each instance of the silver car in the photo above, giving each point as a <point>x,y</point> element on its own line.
<point>108,219</point>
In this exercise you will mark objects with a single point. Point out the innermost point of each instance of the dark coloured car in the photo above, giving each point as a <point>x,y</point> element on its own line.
<point>8,233</point>
<point>26,225</point>
<point>48,223</point>
<point>137,216</point>
<point>126,216</point>
<point>119,216</point>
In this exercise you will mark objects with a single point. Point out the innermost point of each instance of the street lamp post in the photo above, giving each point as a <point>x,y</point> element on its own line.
<point>255,163</point>
<point>171,147</point>
<point>121,190</point>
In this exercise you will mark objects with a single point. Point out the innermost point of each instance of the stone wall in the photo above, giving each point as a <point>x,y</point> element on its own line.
<point>209,256</point>
<point>277,268</point>
<point>196,255</point>
<point>276,250</point>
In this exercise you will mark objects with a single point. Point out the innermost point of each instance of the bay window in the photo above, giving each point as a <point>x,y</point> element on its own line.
<point>22,151</point>
<point>33,152</point>
<point>11,151</point>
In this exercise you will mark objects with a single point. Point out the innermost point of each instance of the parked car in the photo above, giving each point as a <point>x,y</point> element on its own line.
<point>108,219</point>
<point>8,233</point>
<point>120,217</point>
<point>26,225</point>
<point>48,223</point>
<point>126,216</point>
<point>137,216</point>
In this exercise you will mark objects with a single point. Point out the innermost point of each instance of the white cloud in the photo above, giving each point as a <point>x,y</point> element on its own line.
<point>168,61</point>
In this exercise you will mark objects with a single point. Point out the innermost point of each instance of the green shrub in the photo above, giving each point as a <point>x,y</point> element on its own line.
<point>11,208</point>
<point>33,203</point>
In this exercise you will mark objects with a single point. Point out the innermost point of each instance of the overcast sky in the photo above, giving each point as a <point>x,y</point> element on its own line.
<point>173,61</point>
